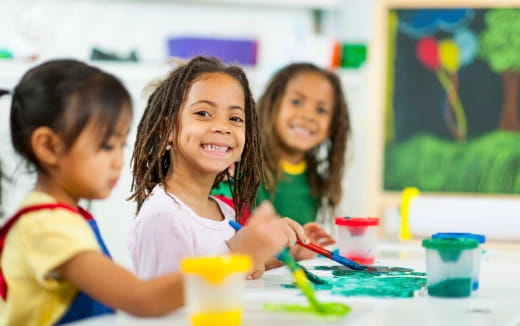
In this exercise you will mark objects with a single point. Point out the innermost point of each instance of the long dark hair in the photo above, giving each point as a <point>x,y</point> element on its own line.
<point>325,184</point>
<point>151,160</point>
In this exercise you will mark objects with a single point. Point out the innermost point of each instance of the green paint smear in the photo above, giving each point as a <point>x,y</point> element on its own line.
<point>455,287</point>
<point>328,309</point>
<point>384,282</point>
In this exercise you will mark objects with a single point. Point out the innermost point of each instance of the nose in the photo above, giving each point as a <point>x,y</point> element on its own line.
<point>221,128</point>
<point>307,113</point>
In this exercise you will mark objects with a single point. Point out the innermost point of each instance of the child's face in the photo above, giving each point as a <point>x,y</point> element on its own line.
<point>212,125</point>
<point>88,170</point>
<point>305,113</point>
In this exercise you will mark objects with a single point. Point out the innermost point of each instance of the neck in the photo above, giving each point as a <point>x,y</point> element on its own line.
<point>292,157</point>
<point>46,184</point>
<point>192,188</point>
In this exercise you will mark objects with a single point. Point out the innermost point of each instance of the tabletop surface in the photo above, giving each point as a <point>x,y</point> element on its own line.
<point>497,302</point>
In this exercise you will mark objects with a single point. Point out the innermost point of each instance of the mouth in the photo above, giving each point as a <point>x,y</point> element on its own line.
<point>216,148</point>
<point>113,182</point>
<point>301,130</point>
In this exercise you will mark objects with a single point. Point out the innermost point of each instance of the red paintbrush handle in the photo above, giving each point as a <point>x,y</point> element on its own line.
<point>317,249</point>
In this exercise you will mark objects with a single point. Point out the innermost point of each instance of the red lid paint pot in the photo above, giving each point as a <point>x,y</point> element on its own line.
<point>357,238</point>
<point>450,263</point>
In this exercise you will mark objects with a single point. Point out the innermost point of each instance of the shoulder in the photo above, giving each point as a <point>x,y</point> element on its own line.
<point>50,221</point>
<point>226,207</point>
<point>161,212</point>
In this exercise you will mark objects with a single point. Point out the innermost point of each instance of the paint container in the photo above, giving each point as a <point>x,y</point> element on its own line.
<point>449,265</point>
<point>357,238</point>
<point>214,288</point>
<point>478,252</point>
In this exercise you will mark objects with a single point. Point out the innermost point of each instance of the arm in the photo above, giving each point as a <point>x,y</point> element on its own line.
<point>120,289</point>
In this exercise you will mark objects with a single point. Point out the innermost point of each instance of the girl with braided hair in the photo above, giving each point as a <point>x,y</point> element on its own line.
<point>198,122</point>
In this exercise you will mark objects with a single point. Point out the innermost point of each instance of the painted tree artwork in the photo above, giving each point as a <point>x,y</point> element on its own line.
<point>452,105</point>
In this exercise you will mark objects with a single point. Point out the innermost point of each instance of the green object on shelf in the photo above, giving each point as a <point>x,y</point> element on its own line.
<point>5,54</point>
<point>353,55</point>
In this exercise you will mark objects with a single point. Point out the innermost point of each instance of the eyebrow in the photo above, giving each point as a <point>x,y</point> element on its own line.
<point>213,104</point>
<point>304,96</point>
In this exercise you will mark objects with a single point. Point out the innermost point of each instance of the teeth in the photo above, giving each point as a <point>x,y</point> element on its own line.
<point>215,148</point>
<point>300,129</point>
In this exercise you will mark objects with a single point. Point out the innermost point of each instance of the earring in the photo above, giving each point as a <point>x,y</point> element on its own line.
<point>168,147</point>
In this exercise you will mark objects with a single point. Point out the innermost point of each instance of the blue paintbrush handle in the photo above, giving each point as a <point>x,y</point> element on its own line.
<point>347,262</point>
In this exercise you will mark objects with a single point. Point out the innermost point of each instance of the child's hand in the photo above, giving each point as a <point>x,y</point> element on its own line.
<point>316,235</point>
<point>257,272</point>
<point>265,234</point>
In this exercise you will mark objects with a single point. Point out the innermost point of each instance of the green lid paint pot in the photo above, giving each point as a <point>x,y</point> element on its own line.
<point>449,264</point>
<point>357,238</point>
<point>478,252</point>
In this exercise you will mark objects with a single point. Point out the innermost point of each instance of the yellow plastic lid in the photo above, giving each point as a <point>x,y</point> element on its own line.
<point>216,268</point>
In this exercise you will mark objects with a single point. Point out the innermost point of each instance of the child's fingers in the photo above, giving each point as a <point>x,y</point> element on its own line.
<point>326,242</point>
<point>298,229</point>
<point>256,274</point>
<point>289,234</point>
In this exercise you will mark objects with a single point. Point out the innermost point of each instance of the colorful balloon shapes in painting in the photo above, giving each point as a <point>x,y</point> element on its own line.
<point>443,58</point>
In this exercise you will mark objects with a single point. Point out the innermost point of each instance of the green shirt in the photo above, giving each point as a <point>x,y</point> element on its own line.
<point>292,198</point>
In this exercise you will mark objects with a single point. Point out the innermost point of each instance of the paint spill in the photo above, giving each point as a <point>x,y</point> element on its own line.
<point>395,282</point>
<point>330,309</point>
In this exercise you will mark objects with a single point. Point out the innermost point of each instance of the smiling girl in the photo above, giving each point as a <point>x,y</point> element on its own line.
<point>199,121</point>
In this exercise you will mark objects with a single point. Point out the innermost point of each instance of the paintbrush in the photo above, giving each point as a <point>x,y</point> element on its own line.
<point>335,257</point>
<point>322,251</point>
<point>298,274</point>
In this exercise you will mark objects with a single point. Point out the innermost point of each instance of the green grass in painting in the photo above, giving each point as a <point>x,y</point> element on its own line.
<point>489,164</point>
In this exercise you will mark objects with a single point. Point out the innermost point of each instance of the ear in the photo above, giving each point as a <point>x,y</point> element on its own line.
<point>47,146</point>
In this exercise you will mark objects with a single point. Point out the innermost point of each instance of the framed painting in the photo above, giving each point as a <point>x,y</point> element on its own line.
<point>450,95</point>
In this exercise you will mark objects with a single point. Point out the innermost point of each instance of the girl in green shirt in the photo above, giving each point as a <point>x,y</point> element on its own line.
<point>304,124</point>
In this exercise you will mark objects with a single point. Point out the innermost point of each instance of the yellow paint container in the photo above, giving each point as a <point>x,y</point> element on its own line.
<point>214,288</point>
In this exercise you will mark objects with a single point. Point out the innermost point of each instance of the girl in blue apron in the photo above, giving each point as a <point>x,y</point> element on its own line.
<point>70,122</point>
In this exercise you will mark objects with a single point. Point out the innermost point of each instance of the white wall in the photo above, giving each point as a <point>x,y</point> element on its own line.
<point>71,28</point>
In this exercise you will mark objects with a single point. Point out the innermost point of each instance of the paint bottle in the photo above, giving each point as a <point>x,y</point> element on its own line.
<point>449,264</point>
<point>357,238</point>
<point>214,288</point>
<point>478,252</point>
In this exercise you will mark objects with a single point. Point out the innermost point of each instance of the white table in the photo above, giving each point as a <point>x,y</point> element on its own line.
<point>497,302</point>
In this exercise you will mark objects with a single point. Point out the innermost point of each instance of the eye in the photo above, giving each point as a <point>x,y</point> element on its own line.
<point>202,113</point>
<point>321,110</point>
<point>296,102</point>
<point>107,147</point>
<point>237,119</point>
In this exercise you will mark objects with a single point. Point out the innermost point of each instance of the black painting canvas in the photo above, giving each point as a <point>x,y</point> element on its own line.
<point>452,100</point>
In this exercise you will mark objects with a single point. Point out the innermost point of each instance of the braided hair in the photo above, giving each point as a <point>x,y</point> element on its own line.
<point>151,161</point>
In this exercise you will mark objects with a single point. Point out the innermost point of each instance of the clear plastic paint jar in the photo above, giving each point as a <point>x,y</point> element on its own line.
<point>478,252</point>
<point>357,238</point>
<point>213,289</point>
<point>449,265</point>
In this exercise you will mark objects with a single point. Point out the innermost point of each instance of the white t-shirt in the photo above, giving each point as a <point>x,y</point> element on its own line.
<point>167,230</point>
